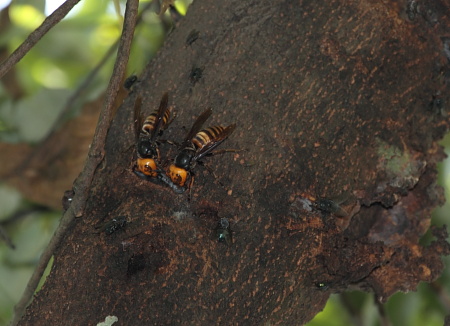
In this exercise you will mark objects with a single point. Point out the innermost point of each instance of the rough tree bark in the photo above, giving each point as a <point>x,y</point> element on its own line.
<point>332,99</point>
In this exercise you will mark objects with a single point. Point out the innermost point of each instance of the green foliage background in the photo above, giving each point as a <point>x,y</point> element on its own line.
<point>51,72</point>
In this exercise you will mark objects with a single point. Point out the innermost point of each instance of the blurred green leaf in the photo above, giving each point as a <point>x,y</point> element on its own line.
<point>12,285</point>
<point>26,16</point>
<point>35,115</point>
<point>10,201</point>
<point>332,314</point>
<point>30,235</point>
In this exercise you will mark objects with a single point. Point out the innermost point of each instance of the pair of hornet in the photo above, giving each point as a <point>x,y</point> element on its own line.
<point>197,144</point>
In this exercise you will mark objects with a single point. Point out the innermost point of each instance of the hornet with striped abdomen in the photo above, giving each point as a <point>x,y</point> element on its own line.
<point>147,133</point>
<point>197,145</point>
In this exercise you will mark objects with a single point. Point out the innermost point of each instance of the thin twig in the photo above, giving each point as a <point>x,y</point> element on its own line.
<point>16,216</point>
<point>384,318</point>
<point>83,86</point>
<point>95,156</point>
<point>36,35</point>
<point>97,150</point>
<point>5,237</point>
<point>443,295</point>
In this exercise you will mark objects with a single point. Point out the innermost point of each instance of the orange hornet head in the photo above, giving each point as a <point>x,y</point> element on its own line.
<point>147,166</point>
<point>177,175</point>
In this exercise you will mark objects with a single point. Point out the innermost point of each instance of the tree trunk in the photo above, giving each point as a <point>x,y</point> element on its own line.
<point>339,106</point>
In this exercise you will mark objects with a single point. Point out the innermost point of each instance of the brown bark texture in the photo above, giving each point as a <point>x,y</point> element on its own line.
<point>339,106</point>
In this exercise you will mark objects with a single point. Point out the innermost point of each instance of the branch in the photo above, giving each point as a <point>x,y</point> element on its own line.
<point>96,152</point>
<point>332,131</point>
<point>34,37</point>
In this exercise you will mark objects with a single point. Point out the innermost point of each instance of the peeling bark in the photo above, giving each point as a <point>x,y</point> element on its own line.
<point>339,107</point>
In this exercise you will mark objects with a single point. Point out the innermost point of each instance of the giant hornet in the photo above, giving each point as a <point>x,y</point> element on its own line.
<point>147,134</point>
<point>197,144</point>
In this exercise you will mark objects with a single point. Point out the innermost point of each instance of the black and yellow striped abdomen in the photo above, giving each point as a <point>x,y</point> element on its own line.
<point>150,122</point>
<point>205,136</point>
